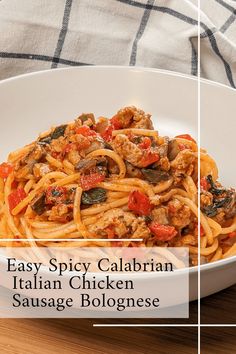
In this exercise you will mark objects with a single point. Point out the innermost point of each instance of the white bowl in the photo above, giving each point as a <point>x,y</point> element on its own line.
<point>32,103</point>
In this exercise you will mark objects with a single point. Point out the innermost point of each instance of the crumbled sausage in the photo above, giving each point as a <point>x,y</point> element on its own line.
<point>127,150</point>
<point>180,214</point>
<point>183,164</point>
<point>160,215</point>
<point>123,223</point>
<point>132,117</point>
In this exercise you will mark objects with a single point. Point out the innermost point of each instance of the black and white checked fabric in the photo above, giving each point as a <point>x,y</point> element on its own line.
<point>43,34</point>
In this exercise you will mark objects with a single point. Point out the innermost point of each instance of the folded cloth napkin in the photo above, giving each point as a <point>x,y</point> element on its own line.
<point>44,34</point>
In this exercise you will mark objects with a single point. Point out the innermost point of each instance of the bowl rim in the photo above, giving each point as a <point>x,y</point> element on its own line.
<point>91,68</point>
<point>98,67</point>
<point>119,67</point>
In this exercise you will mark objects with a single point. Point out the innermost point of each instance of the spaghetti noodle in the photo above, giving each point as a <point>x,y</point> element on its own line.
<point>114,179</point>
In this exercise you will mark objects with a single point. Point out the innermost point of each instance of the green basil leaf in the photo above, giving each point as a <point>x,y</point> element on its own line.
<point>155,176</point>
<point>94,196</point>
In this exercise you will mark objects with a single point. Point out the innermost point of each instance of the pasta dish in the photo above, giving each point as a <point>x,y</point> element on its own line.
<point>116,179</point>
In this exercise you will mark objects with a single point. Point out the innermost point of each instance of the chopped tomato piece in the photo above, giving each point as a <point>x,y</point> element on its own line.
<point>149,157</point>
<point>202,232</point>
<point>15,198</point>
<point>146,143</point>
<point>107,134</point>
<point>116,123</point>
<point>110,232</point>
<point>55,195</point>
<point>90,181</point>
<point>162,232</point>
<point>5,169</point>
<point>139,203</point>
<point>14,184</point>
<point>186,136</point>
<point>85,131</point>
<point>204,184</point>
<point>232,234</point>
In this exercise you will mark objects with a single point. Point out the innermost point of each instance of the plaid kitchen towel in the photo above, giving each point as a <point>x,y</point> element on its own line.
<point>44,34</point>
